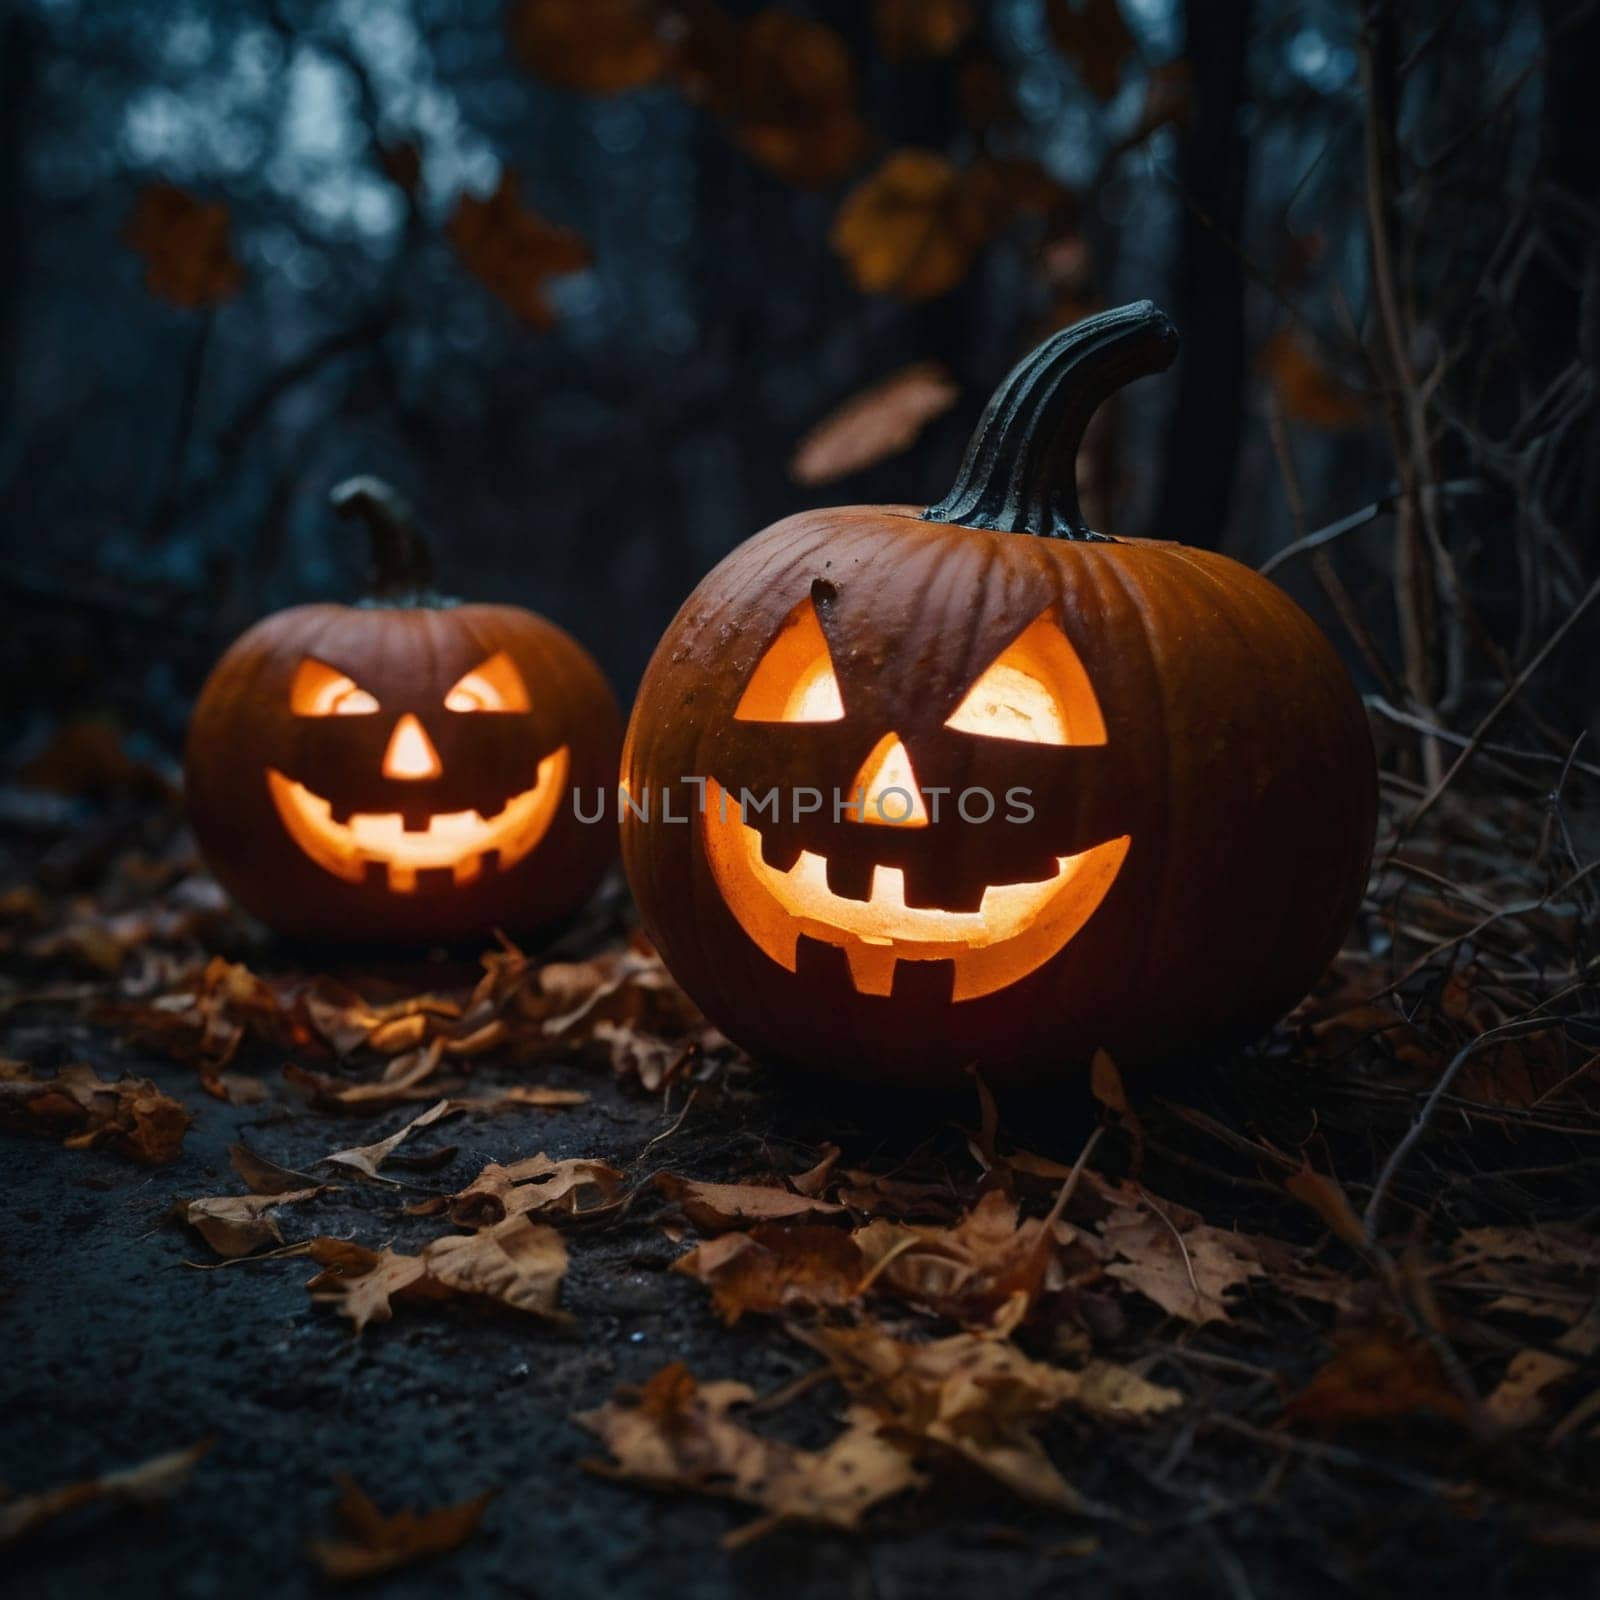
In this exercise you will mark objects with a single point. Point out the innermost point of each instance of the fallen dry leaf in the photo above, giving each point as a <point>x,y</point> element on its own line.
<point>367,1158</point>
<point>184,240</point>
<point>675,1433</point>
<point>1185,1266</point>
<point>1522,1396</point>
<point>407,1077</point>
<point>517,1263</point>
<point>980,1397</point>
<point>879,422</point>
<point>596,46</point>
<point>203,1021</point>
<point>261,1176</point>
<point>777,1268</point>
<point>148,1484</point>
<point>536,1186</point>
<point>512,250</point>
<point>238,1224</point>
<point>131,1116</point>
<point>912,227</point>
<point>969,1271</point>
<point>371,1543</point>
<point>1325,1195</point>
<point>1378,1375</point>
<point>716,1207</point>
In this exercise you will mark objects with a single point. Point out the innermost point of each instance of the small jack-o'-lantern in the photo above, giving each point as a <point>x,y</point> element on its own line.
<point>975,785</point>
<point>402,769</point>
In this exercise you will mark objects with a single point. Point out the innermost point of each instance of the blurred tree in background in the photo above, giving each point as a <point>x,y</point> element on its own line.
<point>591,279</point>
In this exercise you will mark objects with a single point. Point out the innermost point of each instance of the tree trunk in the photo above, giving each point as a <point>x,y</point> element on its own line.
<point>1203,437</point>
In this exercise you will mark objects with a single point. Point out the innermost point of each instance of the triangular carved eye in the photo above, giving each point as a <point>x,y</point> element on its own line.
<point>794,681</point>
<point>319,690</point>
<point>494,685</point>
<point>1035,692</point>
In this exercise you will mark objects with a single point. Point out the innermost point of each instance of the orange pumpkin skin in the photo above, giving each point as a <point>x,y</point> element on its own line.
<point>251,757</point>
<point>1228,785</point>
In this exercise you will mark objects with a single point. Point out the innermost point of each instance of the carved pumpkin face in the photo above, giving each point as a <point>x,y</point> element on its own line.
<point>1011,792</point>
<point>402,772</point>
<point>1033,692</point>
<point>448,848</point>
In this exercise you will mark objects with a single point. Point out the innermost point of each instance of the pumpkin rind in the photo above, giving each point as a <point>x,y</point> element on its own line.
<point>1236,763</point>
<point>407,656</point>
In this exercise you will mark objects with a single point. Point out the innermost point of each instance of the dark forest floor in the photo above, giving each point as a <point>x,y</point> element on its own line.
<point>1289,1400</point>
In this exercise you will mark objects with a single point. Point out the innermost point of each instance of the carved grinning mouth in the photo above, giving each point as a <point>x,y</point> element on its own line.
<point>1016,929</point>
<point>463,844</point>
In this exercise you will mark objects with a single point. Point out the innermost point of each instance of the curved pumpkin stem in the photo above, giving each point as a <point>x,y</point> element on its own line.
<point>1019,474</point>
<point>401,569</point>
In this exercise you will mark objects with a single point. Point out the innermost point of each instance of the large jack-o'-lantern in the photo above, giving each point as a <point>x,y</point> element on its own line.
<point>976,785</point>
<point>402,769</point>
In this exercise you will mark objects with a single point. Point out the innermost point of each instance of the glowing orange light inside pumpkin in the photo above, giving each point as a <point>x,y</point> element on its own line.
<point>794,681</point>
<point>410,754</point>
<point>888,787</point>
<point>319,690</point>
<point>1035,691</point>
<point>496,685</point>
<point>462,843</point>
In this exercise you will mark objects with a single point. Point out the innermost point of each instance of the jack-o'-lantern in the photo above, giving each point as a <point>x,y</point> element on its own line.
<point>402,769</point>
<point>976,785</point>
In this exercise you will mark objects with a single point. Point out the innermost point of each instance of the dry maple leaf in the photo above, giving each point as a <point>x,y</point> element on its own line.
<point>596,46</point>
<point>980,1397</point>
<point>912,227</point>
<point>879,422</point>
<point>716,1207</point>
<point>517,1263</point>
<point>148,1484</point>
<point>512,250</point>
<point>1305,389</point>
<point>1171,1257</point>
<point>131,1116</point>
<point>1092,35</point>
<point>1379,1375</point>
<point>786,85</point>
<point>675,1433</point>
<point>407,1078</point>
<point>922,30</point>
<point>188,257</point>
<point>536,1186</point>
<point>238,1224</point>
<point>776,1268</point>
<point>987,1261</point>
<point>371,1543</point>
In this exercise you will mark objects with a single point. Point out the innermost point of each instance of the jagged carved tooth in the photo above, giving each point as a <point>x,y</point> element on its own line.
<point>340,814</point>
<point>375,874</point>
<point>430,880</point>
<point>403,880</point>
<point>415,819</point>
<point>871,967</point>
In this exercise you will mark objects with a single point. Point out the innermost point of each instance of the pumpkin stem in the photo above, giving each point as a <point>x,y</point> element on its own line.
<point>401,565</point>
<point>1019,474</point>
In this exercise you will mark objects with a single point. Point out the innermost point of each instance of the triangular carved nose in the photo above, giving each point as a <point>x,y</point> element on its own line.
<point>411,753</point>
<point>887,788</point>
